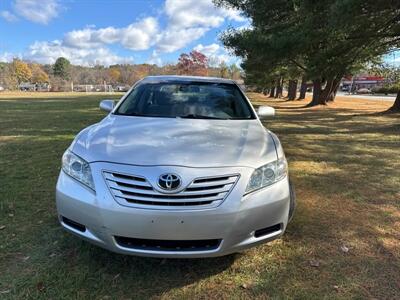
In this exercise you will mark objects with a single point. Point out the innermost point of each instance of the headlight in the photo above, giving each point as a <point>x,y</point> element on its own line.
<point>77,168</point>
<point>267,175</point>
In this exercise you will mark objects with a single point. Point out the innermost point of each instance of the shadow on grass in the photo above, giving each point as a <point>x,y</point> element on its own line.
<point>148,277</point>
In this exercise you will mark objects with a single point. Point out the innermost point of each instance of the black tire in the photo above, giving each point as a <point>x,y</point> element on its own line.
<point>292,206</point>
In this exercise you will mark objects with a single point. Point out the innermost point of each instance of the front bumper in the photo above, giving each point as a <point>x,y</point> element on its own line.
<point>233,223</point>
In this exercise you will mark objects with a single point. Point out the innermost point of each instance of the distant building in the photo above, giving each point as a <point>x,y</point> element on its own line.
<point>361,82</point>
<point>39,87</point>
<point>27,86</point>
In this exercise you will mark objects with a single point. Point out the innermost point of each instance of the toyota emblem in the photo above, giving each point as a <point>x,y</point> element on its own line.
<point>169,181</point>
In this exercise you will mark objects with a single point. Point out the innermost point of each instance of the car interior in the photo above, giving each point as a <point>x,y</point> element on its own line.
<point>174,100</point>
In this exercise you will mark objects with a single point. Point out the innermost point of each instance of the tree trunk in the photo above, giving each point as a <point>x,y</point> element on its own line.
<point>335,87</point>
<point>326,92</point>
<point>321,97</point>
<point>303,88</point>
<point>316,92</point>
<point>272,92</point>
<point>396,105</point>
<point>292,89</point>
<point>279,88</point>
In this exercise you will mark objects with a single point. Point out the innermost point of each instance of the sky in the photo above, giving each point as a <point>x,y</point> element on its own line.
<point>107,32</point>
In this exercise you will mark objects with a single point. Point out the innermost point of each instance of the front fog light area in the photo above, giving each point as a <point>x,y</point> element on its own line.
<point>77,168</point>
<point>267,175</point>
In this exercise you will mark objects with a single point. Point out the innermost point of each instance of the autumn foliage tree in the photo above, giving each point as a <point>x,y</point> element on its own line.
<point>114,75</point>
<point>21,71</point>
<point>62,73</point>
<point>194,63</point>
<point>38,75</point>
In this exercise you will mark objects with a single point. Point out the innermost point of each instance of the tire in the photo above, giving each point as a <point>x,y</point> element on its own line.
<point>292,206</point>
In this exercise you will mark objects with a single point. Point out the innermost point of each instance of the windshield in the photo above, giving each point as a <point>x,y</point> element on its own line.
<point>186,100</point>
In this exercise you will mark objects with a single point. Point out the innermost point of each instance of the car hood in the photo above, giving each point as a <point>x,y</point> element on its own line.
<point>176,141</point>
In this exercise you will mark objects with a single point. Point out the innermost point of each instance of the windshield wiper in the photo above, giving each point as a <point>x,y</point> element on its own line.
<point>141,115</point>
<point>195,116</point>
<point>130,114</point>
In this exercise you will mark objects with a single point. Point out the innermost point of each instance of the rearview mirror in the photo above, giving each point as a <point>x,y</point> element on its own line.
<point>265,112</point>
<point>107,105</point>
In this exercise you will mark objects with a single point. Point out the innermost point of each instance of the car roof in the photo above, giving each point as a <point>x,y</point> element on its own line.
<point>177,78</point>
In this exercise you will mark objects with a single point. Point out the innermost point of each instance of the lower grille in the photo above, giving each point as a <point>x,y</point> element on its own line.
<point>204,192</point>
<point>267,230</point>
<point>73,224</point>
<point>168,245</point>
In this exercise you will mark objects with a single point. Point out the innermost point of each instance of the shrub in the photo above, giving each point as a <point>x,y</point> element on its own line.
<point>387,89</point>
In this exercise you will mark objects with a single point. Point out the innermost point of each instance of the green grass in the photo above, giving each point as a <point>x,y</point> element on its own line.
<point>345,165</point>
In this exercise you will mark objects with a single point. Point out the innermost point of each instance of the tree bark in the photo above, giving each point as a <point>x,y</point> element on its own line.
<point>303,88</point>
<point>279,88</point>
<point>321,97</point>
<point>272,92</point>
<point>317,86</point>
<point>334,89</point>
<point>292,89</point>
<point>396,105</point>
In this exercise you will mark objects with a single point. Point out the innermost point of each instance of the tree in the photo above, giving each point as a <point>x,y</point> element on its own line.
<point>292,89</point>
<point>234,72</point>
<point>199,63</point>
<point>303,88</point>
<point>21,71</point>
<point>324,39</point>
<point>62,68</point>
<point>114,75</point>
<point>392,76</point>
<point>223,70</point>
<point>194,63</point>
<point>38,75</point>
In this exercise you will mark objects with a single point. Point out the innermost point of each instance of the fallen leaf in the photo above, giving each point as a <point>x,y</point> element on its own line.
<point>52,255</point>
<point>116,276</point>
<point>11,215</point>
<point>26,258</point>
<point>5,292</point>
<point>336,288</point>
<point>248,285</point>
<point>314,263</point>
<point>2,227</point>
<point>344,249</point>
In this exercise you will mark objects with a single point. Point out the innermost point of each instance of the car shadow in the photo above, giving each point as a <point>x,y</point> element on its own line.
<point>148,277</point>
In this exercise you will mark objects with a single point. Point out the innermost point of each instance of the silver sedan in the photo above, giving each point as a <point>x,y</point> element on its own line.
<point>180,167</point>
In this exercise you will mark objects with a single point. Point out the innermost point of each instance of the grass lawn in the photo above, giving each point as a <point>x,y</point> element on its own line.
<point>344,161</point>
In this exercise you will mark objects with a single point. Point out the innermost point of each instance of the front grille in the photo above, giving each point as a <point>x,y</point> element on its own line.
<point>134,190</point>
<point>167,245</point>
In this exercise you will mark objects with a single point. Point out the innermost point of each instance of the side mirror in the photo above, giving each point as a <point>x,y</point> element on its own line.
<point>107,105</point>
<point>265,112</point>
